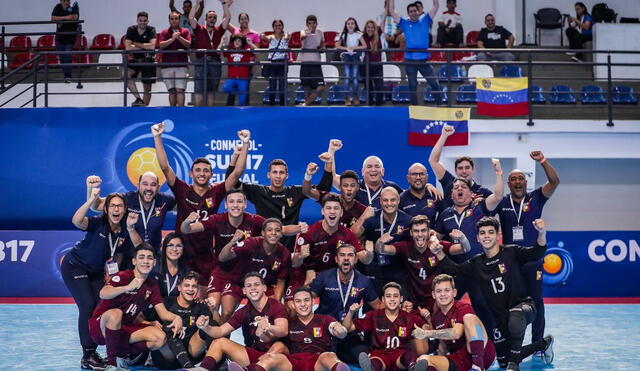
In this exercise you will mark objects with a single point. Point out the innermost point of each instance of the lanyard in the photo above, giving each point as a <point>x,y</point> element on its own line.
<point>173,286</point>
<point>112,245</point>
<point>393,224</point>
<point>371,198</point>
<point>146,218</point>
<point>519,213</point>
<point>459,221</point>
<point>345,296</point>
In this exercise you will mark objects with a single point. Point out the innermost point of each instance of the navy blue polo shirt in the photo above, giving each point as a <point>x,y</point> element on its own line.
<point>325,286</point>
<point>531,210</point>
<point>447,186</point>
<point>161,205</point>
<point>446,222</point>
<point>413,205</point>
<point>368,197</point>
<point>94,250</point>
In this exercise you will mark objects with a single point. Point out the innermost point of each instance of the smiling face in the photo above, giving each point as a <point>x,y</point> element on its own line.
<point>490,22</point>
<point>331,213</point>
<point>278,27</point>
<point>175,249</point>
<point>142,22</point>
<point>414,13</point>
<point>272,233</point>
<point>243,19</point>
<point>303,303</point>
<point>464,170</point>
<point>417,177</point>
<point>201,174</point>
<point>350,25</point>
<point>116,210</point>
<point>372,170</point>
<point>144,261</point>
<point>389,199</point>
<point>517,184</point>
<point>392,299</point>
<point>444,293</point>
<point>254,289</point>
<point>346,259</point>
<point>148,187</point>
<point>488,237</point>
<point>236,204</point>
<point>174,21</point>
<point>188,289</point>
<point>212,18</point>
<point>461,193</point>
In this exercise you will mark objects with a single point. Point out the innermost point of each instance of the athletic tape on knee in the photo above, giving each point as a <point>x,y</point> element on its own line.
<point>479,332</point>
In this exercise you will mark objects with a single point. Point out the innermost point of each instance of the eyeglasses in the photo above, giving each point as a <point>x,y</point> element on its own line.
<point>418,174</point>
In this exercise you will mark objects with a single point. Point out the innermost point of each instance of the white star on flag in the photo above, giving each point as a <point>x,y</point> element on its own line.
<point>432,124</point>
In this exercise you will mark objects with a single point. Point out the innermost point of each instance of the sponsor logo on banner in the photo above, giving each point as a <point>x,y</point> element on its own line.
<point>615,250</point>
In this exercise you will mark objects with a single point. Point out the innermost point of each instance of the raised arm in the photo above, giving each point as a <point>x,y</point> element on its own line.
<point>172,6</point>
<point>392,11</point>
<point>298,257</point>
<point>79,218</point>
<point>307,189</point>
<point>553,180</point>
<point>226,13</point>
<point>358,227</point>
<point>232,179</point>
<point>161,154</point>
<point>434,9</point>
<point>436,152</point>
<point>198,13</point>
<point>193,14</point>
<point>494,199</point>
<point>463,246</point>
<point>132,219</point>
<point>227,252</point>
<point>94,181</point>
<point>541,227</point>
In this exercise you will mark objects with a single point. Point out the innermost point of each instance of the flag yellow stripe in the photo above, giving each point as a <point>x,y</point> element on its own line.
<point>502,84</point>
<point>436,113</point>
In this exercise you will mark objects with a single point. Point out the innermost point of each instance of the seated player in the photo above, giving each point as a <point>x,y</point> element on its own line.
<point>460,331</point>
<point>186,351</point>
<point>265,320</point>
<point>115,320</point>
<point>310,341</point>
<point>390,330</point>
<point>497,274</point>
<point>421,266</point>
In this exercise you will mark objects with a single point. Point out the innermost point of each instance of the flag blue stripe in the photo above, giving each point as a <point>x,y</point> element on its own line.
<point>502,97</point>
<point>435,126</point>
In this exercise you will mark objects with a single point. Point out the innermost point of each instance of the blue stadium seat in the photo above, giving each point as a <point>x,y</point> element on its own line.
<point>592,94</point>
<point>363,94</point>
<point>623,95</point>
<point>388,86</point>
<point>457,73</point>
<point>537,97</point>
<point>300,96</point>
<point>400,94</point>
<point>562,94</point>
<point>466,94</point>
<point>429,98</point>
<point>265,98</point>
<point>336,95</point>
<point>511,70</point>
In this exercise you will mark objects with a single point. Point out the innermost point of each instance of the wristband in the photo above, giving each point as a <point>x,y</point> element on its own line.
<point>543,161</point>
<point>308,177</point>
<point>499,172</point>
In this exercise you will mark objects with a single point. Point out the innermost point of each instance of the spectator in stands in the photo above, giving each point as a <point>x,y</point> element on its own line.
<point>350,42</point>
<point>416,31</point>
<point>276,69</point>
<point>238,75</point>
<point>141,37</point>
<point>253,40</point>
<point>208,36</point>
<point>175,75</point>
<point>389,28</point>
<point>311,71</point>
<point>187,7</point>
<point>372,40</point>
<point>495,37</point>
<point>420,7</point>
<point>65,42</point>
<point>450,26</point>
<point>579,30</point>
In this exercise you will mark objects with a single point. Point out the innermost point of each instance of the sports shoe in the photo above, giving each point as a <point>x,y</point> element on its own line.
<point>342,367</point>
<point>547,355</point>
<point>476,368</point>
<point>421,365</point>
<point>93,361</point>
<point>365,362</point>
<point>137,103</point>
<point>115,368</point>
<point>233,366</point>
<point>512,366</point>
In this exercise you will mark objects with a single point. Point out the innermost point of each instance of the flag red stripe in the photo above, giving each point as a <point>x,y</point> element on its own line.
<point>503,110</point>
<point>419,139</point>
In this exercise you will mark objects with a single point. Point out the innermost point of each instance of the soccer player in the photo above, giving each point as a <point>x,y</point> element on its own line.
<point>459,331</point>
<point>310,340</point>
<point>201,197</point>
<point>373,182</point>
<point>115,321</point>
<point>265,319</point>
<point>188,350</point>
<point>517,211</point>
<point>420,265</point>
<point>391,330</point>
<point>416,200</point>
<point>497,273</point>
<point>464,169</point>
<point>147,201</point>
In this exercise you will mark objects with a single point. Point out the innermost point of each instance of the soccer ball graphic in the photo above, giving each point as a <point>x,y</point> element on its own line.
<point>141,161</point>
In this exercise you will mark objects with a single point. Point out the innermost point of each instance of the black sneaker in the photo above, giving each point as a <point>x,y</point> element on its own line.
<point>548,355</point>
<point>93,361</point>
<point>137,103</point>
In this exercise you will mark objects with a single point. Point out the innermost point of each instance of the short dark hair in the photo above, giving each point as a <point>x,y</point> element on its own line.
<point>392,285</point>
<point>419,219</point>
<point>464,158</point>
<point>310,18</point>
<point>190,275</point>
<point>273,24</point>
<point>488,15</point>
<point>465,181</point>
<point>142,14</point>
<point>331,197</point>
<point>278,162</point>
<point>349,174</point>
<point>211,11</point>
<point>145,246</point>
<point>418,3</point>
<point>235,37</point>
<point>110,196</point>
<point>187,1</point>
<point>346,246</point>
<point>411,5</point>
<point>303,289</point>
<point>241,14</point>
<point>252,274</point>
<point>234,191</point>
<point>488,221</point>
<point>271,220</point>
<point>443,278</point>
<point>201,160</point>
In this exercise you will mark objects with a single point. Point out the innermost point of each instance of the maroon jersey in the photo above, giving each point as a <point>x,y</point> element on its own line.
<point>323,246</point>
<point>421,268</point>
<point>252,257</point>
<point>246,315</point>
<point>386,334</point>
<point>131,303</point>
<point>223,231</point>
<point>349,217</point>
<point>187,200</point>
<point>314,337</point>
<point>455,315</point>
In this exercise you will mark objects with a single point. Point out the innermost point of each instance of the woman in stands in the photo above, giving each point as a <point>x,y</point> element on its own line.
<point>275,70</point>
<point>579,31</point>
<point>350,42</point>
<point>110,236</point>
<point>371,38</point>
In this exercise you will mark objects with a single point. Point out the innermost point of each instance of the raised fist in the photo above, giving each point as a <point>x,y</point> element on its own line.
<point>244,135</point>
<point>335,145</point>
<point>304,251</point>
<point>448,130</point>
<point>136,283</point>
<point>539,225</point>
<point>354,308</point>
<point>457,234</point>
<point>304,227</point>
<point>94,181</point>
<point>325,157</point>
<point>385,238</point>
<point>369,212</point>
<point>496,165</point>
<point>537,155</point>
<point>95,193</point>
<point>312,168</point>
<point>202,322</point>
<point>193,217</point>
<point>157,129</point>
<point>132,219</point>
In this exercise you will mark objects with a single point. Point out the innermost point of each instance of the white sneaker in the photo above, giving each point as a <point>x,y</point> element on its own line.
<point>547,355</point>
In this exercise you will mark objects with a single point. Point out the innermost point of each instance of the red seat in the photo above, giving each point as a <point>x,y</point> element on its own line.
<point>50,59</point>
<point>121,45</point>
<point>438,57</point>
<point>472,39</point>
<point>294,40</point>
<point>103,41</point>
<point>83,58</point>
<point>19,44</point>
<point>45,43</point>
<point>330,39</point>
<point>20,59</point>
<point>265,43</point>
<point>81,43</point>
<point>397,56</point>
<point>458,56</point>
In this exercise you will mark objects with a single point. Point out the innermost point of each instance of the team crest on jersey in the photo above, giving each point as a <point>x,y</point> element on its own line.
<point>300,241</point>
<point>400,229</point>
<point>355,291</point>
<point>115,279</point>
<point>402,331</point>
<point>317,332</point>
<point>147,294</point>
<point>158,210</point>
<point>453,322</point>
<point>538,275</point>
<point>468,213</point>
<point>526,207</point>
<point>209,202</point>
<point>275,266</point>
<point>429,203</point>
<point>502,268</point>
<point>432,261</point>
<point>290,201</point>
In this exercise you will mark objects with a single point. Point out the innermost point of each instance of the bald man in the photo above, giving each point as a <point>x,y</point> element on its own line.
<point>421,198</point>
<point>373,182</point>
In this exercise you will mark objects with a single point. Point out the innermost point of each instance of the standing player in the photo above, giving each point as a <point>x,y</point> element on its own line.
<point>373,183</point>
<point>147,201</point>
<point>126,294</point>
<point>517,212</point>
<point>464,169</point>
<point>200,197</point>
<point>459,331</point>
<point>390,330</point>
<point>420,265</point>
<point>497,273</point>
<point>416,200</point>
<point>265,320</point>
<point>310,341</point>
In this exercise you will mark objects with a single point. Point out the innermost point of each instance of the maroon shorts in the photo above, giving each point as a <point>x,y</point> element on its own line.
<point>296,280</point>
<point>303,361</point>
<point>96,333</point>
<point>388,356</point>
<point>204,266</point>
<point>254,355</point>
<point>462,358</point>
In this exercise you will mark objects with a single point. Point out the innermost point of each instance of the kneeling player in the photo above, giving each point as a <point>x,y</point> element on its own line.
<point>309,341</point>
<point>459,330</point>
<point>263,318</point>
<point>187,351</point>
<point>115,320</point>
<point>390,330</point>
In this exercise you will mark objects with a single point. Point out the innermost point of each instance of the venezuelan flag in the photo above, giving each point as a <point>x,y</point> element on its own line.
<point>503,97</point>
<point>426,123</point>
